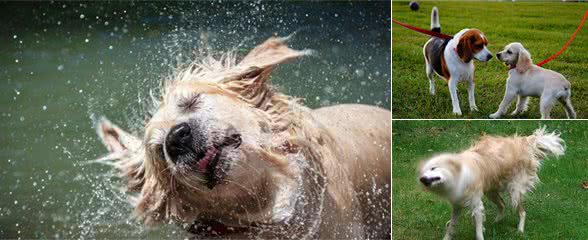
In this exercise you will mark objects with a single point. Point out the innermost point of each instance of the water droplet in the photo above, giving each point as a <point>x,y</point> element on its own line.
<point>16,60</point>
<point>106,23</point>
<point>60,67</point>
<point>110,47</point>
<point>22,118</point>
<point>14,36</point>
<point>82,16</point>
<point>81,91</point>
<point>44,108</point>
<point>87,40</point>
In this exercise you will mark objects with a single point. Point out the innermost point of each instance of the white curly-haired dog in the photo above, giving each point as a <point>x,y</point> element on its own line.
<point>526,79</point>
<point>491,166</point>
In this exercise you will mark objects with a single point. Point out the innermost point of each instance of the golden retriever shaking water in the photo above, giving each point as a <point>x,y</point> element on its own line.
<point>491,166</point>
<point>225,155</point>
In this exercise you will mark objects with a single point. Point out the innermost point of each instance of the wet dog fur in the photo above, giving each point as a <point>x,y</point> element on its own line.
<point>226,155</point>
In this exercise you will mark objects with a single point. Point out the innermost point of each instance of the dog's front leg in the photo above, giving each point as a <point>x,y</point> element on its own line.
<point>471,96</point>
<point>521,105</point>
<point>478,212</point>
<point>509,96</point>
<point>454,98</point>
<point>452,224</point>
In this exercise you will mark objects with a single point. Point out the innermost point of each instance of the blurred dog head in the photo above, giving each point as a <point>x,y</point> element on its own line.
<point>216,145</point>
<point>440,173</point>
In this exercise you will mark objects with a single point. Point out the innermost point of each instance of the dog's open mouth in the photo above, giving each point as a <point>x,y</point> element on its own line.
<point>212,163</point>
<point>510,65</point>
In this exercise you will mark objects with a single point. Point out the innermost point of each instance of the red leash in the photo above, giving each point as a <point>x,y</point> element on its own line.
<point>441,35</point>
<point>566,45</point>
<point>428,32</point>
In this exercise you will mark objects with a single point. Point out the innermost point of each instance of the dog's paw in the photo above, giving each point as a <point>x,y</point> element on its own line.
<point>474,108</point>
<point>499,217</point>
<point>514,113</point>
<point>457,112</point>
<point>494,115</point>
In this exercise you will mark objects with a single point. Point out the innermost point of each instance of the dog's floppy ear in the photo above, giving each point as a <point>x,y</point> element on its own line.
<point>125,153</point>
<point>256,66</point>
<point>524,61</point>
<point>115,139</point>
<point>464,48</point>
<point>271,53</point>
<point>259,62</point>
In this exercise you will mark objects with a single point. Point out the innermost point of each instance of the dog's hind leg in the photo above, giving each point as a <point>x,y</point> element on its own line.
<point>516,196</point>
<point>431,77</point>
<point>494,196</point>
<point>522,215</point>
<point>567,103</point>
<point>430,71</point>
<point>545,105</point>
<point>452,223</point>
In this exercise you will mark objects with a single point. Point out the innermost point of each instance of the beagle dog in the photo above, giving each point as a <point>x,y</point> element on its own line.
<point>453,59</point>
<point>527,79</point>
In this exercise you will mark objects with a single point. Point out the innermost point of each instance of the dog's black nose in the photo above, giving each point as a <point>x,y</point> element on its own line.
<point>425,181</point>
<point>179,141</point>
<point>428,181</point>
<point>489,57</point>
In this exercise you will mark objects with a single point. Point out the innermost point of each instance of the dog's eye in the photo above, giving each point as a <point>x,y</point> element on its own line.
<point>159,150</point>
<point>190,103</point>
<point>509,52</point>
<point>433,168</point>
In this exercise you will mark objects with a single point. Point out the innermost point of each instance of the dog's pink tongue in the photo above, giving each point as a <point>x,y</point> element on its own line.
<point>203,163</point>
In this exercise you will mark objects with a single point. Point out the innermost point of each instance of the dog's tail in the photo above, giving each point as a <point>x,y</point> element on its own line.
<point>544,143</point>
<point>435,25</point>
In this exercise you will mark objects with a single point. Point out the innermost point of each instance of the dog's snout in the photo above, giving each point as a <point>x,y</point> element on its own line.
<point>179,140</point>
<point>428,181</point>
<point>489,57</point>
<point>425,181</point>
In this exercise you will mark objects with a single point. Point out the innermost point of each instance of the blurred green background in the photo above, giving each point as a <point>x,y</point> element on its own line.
<point>63,64</point>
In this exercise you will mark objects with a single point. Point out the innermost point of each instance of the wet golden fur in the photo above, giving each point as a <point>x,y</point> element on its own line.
<point>491,166</point>
<point>295,164</point>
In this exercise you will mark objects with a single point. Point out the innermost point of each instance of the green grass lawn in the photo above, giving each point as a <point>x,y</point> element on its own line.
<point>557,209</point>
<point>542,28</point>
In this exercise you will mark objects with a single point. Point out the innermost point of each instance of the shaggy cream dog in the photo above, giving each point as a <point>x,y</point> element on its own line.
<point>526,79</point>
<point>493,165</point>
<point>227,156</point>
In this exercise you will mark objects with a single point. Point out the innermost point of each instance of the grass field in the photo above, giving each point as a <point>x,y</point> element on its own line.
<point>557,209</point>
<point>543,28</point>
